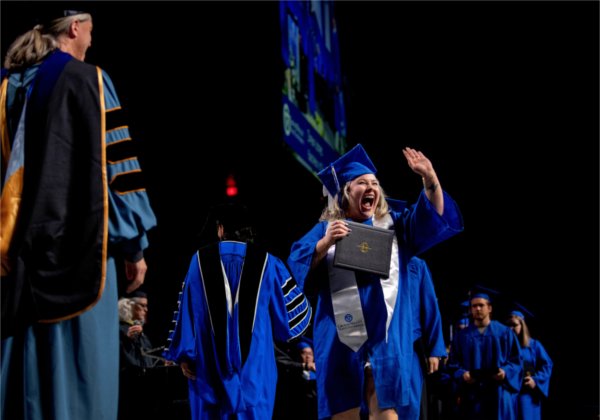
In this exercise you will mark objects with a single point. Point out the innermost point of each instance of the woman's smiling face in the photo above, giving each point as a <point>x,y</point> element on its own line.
<point>364,194</point>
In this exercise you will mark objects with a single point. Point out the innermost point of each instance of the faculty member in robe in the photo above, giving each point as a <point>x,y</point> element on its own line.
<point>73,203</point>
<point>236,299</point>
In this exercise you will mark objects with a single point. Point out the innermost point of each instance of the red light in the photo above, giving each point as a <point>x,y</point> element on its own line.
<point>231,188</point>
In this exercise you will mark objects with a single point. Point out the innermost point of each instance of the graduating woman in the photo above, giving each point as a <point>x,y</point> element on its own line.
<point>363,323</point>
<point>538,368</point>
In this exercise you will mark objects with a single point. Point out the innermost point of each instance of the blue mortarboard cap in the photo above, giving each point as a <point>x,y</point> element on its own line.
<point>479,291</point>
<point>518,313</point>
<point>481,295</point>
<point>517,307</point>
<point>352,164</point>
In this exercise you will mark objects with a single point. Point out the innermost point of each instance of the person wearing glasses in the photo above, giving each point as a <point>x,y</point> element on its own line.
<point>135,382</point>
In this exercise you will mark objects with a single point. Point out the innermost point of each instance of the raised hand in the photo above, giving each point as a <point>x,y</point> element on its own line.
<point>418,162</point>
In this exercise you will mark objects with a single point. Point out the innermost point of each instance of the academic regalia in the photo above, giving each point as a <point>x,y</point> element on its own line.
<point>497,347</point>
<point>536,361</point>
<point>418,228</point>
<point>428,335</point>
<point>61,268</point>
<point>235,299</point>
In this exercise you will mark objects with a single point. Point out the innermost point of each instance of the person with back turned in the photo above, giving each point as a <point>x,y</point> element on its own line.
<point>73,199</point>
<point>236,299</point>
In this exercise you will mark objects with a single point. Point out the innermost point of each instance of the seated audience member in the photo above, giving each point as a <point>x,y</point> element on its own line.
<point>135,387</point>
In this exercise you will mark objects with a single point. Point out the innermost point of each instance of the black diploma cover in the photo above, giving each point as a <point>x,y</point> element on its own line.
<point>484,374</point>
<point>367,248</point>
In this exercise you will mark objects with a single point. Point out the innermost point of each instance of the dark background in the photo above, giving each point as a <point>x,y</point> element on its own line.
<point>501,96</point>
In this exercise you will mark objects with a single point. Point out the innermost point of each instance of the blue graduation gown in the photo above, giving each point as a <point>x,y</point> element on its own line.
<point>340,371</point>
<point>225,328</point>
<point>538,362</point>
<point>427,327</point>
<point>69,370</point>
<point>497,347</point>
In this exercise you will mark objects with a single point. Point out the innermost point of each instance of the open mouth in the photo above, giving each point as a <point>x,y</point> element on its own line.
<point>367,202</point>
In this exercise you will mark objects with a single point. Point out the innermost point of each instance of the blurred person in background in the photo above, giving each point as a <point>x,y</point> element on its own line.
<point>537,366</point>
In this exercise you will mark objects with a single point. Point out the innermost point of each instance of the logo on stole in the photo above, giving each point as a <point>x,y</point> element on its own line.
<point>348,318</point>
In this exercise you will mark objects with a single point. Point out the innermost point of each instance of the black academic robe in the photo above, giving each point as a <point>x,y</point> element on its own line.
<point>58,251</point>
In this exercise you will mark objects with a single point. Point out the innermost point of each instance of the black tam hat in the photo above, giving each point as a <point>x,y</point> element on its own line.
<point>137,294</point>
<point>46,15</point>
<point>236,220</point>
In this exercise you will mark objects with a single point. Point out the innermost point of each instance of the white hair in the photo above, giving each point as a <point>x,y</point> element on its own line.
<point>126,310</point>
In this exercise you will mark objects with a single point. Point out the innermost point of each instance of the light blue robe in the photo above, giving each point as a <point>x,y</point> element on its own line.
<point>69,370</point>
<point>340,371</point>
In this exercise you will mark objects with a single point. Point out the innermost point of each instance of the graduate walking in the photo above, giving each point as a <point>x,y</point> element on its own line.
<point>486,361</point>
<point>236,297</point>
<point>363,328</point>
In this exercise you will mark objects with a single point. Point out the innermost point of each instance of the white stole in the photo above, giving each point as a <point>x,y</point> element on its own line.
<point>347,309</point>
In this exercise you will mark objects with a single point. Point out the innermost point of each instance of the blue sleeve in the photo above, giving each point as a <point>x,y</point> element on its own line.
<point>431,317</point>
<point>424,227</point>
<point>290,310</point>
<point>543,368</point>
<point>182,338</point>
<point>456,357</point>
<point>130,213</point>
<point>511,362</point>
<point>302,253</point>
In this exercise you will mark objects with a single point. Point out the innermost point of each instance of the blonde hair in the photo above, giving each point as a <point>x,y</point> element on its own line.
<point>524,335</point>
<point>31,47</point>
<point>338,212</point>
